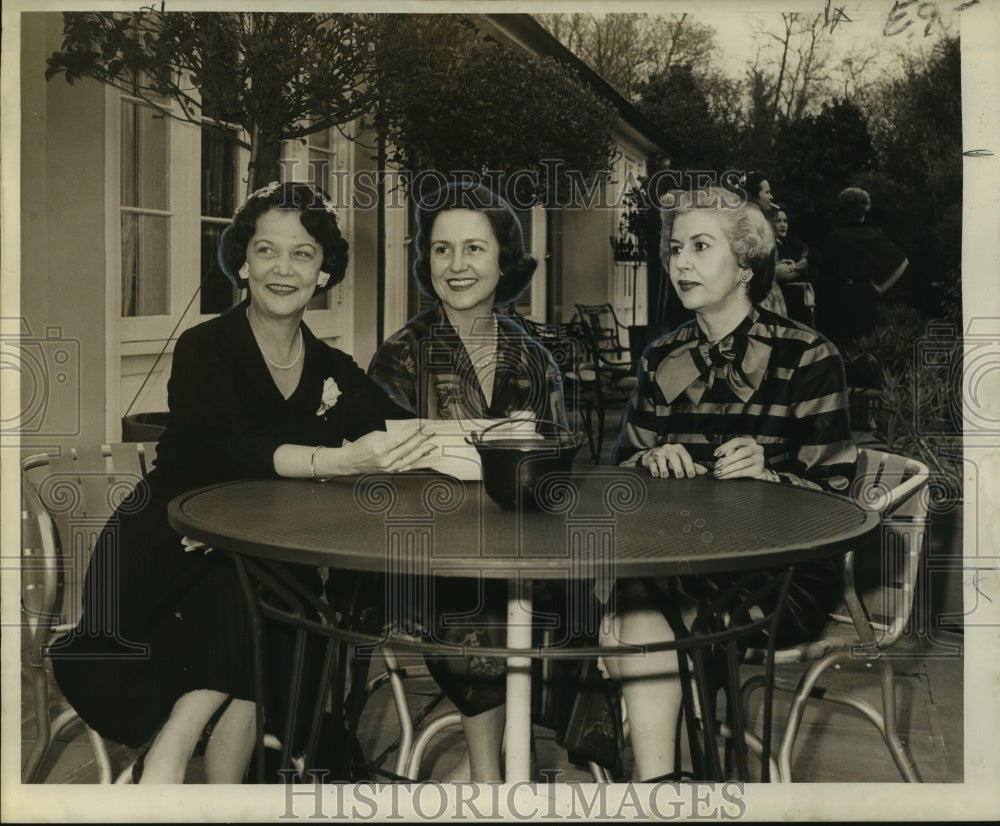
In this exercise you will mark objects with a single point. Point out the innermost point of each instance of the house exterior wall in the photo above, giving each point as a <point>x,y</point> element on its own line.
<point>362,253</point>
<point>62,266</point>
<point>586,256</point>
<point>590,274</point>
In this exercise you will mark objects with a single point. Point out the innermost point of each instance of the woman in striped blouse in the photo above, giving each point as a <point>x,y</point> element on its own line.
<point>738,392</point>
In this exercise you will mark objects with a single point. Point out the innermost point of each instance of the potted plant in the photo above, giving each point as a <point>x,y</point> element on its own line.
<point>913,370</point>
<point>636,241</point>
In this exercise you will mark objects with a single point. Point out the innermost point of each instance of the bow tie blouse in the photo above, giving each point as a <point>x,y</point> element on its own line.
<point>770,378</point>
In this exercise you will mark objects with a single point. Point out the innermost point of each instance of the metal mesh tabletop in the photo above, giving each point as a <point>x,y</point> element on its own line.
<point>600,522</point>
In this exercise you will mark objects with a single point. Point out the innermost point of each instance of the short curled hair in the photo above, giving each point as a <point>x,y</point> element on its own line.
<point>317,217</point>
<point>517,267</point>
<point>853,204</point>
<point>752,182</point>
<point>748,231</point>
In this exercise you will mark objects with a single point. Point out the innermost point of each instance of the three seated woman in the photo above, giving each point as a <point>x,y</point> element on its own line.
<point>738,392</point>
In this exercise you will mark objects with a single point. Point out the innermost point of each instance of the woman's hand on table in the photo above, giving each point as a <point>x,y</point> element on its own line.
<point>741,457</point>
<point>395,450</point>
<point>400,447</point>
<point>667,460</point>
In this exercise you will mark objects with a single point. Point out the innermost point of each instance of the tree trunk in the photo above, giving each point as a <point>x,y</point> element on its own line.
<point>265,154</point>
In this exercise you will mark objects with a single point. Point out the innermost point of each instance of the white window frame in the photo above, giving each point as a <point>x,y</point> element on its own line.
<point>334,323</point>
<point>539,249</point>
<point>133,343</point>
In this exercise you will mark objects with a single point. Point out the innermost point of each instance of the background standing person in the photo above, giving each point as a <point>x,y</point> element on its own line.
<point>460,359</point>
<point>792,270</point>
<point>758,191</point>
<point>858,265</point>
<point>251,393</point>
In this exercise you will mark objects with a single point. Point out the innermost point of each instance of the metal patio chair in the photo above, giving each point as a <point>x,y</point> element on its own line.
<point>873,614</point>
<point>66,500</point>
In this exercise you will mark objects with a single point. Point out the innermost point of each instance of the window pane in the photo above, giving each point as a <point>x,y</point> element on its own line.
<point>218,174</point>
<point>145,262</point>
<point>321,139</point>
<point>145,157</point>
<point>218,292</point>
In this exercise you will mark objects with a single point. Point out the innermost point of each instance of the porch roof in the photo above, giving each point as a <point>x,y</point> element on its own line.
<point>523,30</point>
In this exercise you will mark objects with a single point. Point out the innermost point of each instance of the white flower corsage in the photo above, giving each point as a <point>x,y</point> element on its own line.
<point>330,395</point>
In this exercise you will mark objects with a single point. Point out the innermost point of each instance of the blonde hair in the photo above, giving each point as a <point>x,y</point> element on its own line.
<point>747,230</point>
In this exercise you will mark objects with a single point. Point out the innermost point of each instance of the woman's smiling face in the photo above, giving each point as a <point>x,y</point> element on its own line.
<point>465,260</point>
<point>284,262</point>
<point>702,266</point>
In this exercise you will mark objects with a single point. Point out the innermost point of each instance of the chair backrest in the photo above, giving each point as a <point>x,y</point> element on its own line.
<point>604,325</point>
<point>894,486</point>
<point>66,500</point>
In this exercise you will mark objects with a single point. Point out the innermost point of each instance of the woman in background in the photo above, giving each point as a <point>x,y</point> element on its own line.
<point>758,191</point>
<point>792,270</point>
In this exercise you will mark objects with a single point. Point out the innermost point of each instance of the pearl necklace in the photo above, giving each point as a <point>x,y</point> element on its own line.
<point>275,365</point>
<point>493,344</point>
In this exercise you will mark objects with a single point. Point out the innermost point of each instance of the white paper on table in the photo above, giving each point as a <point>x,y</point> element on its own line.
<point>454,453</point>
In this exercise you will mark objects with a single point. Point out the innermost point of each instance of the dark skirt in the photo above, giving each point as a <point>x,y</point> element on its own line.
<point>473,613</point>
<point>159,621</point>
<point>814,591</point>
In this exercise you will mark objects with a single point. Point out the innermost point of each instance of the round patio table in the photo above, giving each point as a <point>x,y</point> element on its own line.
<point>599,524</point>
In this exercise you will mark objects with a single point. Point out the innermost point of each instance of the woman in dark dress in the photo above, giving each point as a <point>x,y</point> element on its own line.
<point>738,393</point>
<point>792,270</point>
<point>758,191</point>
<point>251,393</point>
<point>460,359</point>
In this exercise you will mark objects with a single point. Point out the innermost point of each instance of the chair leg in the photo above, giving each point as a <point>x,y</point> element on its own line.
<point>43,741</point>
<point>600,432</point>
<point>900,755</point>
<point>886,722</point>
<point>432,729</point>
<point>599,773</point>
<point>101,758</point>
<point>38,752</point>
<point>757,747</point>
<point>43,726</point>
<point>402,711</point>
<point>797,709</point>
<point>588,422</point>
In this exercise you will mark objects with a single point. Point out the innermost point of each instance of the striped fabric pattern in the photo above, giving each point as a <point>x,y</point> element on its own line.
<point>425,368</point>
<point>772,378</point>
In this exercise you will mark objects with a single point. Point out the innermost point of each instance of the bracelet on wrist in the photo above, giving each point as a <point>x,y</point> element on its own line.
<point>312,462</point>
